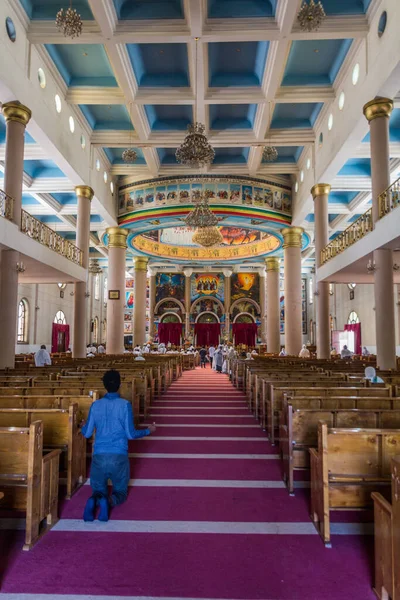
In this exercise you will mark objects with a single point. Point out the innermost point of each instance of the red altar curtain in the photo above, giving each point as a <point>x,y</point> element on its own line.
<point>170,332</point>
<point>207,334</point>
<point>356,327</point>
<point>57,335</point>
<point>245,333</point>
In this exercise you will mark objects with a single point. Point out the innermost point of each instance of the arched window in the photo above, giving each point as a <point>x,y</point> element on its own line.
<point>60,318</point>
<point>105,290</point>
<point>97,287</point>
<point>353,318</point>
<point>96,330</point>
<point>104,330</point>
<point>311,290</point>
<point>23,318</point>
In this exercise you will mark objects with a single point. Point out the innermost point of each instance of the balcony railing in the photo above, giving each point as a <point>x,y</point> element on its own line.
<point>6,206</point>
<point>389,199</point>
<point>38,231</point>
<point>348,237</point>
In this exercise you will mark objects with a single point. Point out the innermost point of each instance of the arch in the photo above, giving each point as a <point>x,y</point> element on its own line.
<point>60,318</point>
<point>353,318</point>
<point>23,321</point>
<point>202,298</point>
<point>249,300</point>
<point>170,314</point>
<point>178,302</point>
<point>244,314</point>
<point>208,312</point>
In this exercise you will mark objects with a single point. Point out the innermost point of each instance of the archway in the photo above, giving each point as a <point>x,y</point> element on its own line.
<point>244,317</point>
<point>170,318</point>
<point>207,317</point>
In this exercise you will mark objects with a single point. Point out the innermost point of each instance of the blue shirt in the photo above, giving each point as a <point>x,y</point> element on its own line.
<point>112,417</point>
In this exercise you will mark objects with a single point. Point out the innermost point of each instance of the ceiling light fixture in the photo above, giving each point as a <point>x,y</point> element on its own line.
<point>129,155</point>
<point>270,153</point>
<point>201,215</point>
<point>195,151</point>
<point>207,237</point>
<point>69,22</point>
<point>311,16</point>
<point>94,266</point>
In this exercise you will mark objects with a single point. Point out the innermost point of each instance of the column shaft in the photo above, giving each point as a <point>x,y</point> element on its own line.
<point>293,299</point>
<point>152,303</point>
<point>187,303</point>
<point>116,283</point>
<point>9,306</point>
<point>227,291</point>
<point>273,306</point>
<point>139,317</point>
<point>263,308</point>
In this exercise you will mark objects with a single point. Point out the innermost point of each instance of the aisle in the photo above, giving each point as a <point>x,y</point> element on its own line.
<point>207,517</point>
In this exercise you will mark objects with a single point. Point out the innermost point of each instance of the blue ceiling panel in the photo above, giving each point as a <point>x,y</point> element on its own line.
<point>221,9</point>
<point>236,64</point>
<point>167,156</point>
<point>27,199</point>
<point>315,62</point>
<point>167,117</point>
<point>334,235</point>
<point>28,138</point>
<point>288,154</point>
<point>46,10</point>
<point>82,65</point>
<point>48,218</point>
<point>342,197</point>
<point>110,116</point>
<point>354,167</point>
<point>232,116</point>
<point>96,219</point>
<point>332,218</point>
<point>42,168</point>
<point>231,156</point>
<point>354,218</point>
<point>149,9</point>
<point>160,65</point>
<point>394,128</point>
<point>346,7</point>
<point>66,199</point>
<point>310,218</point>
<point>114,155</point>
<point>295,116</point>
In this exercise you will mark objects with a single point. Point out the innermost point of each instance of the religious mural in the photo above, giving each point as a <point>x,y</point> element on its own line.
<point>207,305</point>
<point>207,284</point>
<point>244,307</point>
<point>245,285</point>
<point>170,285</point>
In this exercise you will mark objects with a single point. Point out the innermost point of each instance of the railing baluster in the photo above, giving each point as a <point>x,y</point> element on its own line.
<point>348,237</point>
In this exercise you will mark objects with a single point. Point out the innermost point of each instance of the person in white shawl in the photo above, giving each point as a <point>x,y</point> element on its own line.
<point>218,360</point>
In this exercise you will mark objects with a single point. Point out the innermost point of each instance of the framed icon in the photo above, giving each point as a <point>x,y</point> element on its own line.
<point>113,295</point>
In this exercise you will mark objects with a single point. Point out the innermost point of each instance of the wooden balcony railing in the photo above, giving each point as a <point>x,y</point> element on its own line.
<point>348,237</point>
<point>6,205</point>
<point>389,199</point>
<point>38,231</point>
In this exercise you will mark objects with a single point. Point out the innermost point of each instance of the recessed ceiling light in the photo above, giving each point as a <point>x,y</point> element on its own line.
<point>71,124</point>
<point>57,100</point>
<point>97,165</point>
<point>301,176</point>
<point>356,74</point>
<point>330,122</point>
<point>308,164</point>
<point>296,187</point>
<point>342,98</point>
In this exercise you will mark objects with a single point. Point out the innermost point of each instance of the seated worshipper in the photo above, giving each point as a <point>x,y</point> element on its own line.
<point>304,352</point>
<point>218,359</point>
<point>42,357</point>
<point>346,353</point>
<point>203,357</point>
<point>334,352</point>
<point>69,351</point>
<point>254,352</point>
<point>282,352</point>
<point>92,348</point>
<point>370,374</point>
<point>249,356</point>
<point>139,357</point>
<point>161,348</point>
<point>365,351</point>
<point>146,349</point>
<point>112,419</point>
<point>101,349</point>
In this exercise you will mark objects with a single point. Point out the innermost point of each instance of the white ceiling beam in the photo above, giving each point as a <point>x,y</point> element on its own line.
<point>298,94</point>
<point>335,28</point>
<point>31,152</point>
<point>175,96</point>
<point>45,32</point>
<point>94,95</point>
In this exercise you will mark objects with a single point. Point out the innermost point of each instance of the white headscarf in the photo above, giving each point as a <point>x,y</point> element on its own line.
<point>370,373</point>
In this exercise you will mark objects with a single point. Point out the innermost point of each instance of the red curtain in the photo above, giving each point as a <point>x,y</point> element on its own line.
<point>170,332</point>
<point>57,338</point>
<point>245,333</point>
<point>207,333</point>
<point>356,328</point>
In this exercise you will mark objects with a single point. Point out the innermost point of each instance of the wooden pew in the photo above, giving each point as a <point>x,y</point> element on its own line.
<point>29,478</point>
<point>347,467</point>
<point>387,539</point>
<point>60,430</point>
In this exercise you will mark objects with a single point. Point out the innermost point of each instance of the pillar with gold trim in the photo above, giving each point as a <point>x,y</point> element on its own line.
<point>292,243</point>
<point>152,302</point>
<point>17,117</point>
<point>139,312</point>
<point>227,303</point>
<point>320,193</point>
<point>188,274</point>
<point>263,305</point>
<point>116,289</point>
<point>272,265</point>
<point>378,112</point>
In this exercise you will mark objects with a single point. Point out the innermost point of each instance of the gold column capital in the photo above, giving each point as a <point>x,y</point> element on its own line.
<point>292,237</point>
<point>117,237</point>
<point>377,108</point>
<point>272,263</point>
<point>15,111</point>
<point>320,189</point>
<point>84,191</point>
<point>141,263</point>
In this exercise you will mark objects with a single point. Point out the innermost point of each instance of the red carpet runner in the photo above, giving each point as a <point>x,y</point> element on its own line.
<point>207,517</point>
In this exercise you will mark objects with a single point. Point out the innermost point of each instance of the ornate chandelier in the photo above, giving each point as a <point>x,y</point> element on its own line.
<point>207,237</point>
<point>202,215</point>
<point>129,155</point>
<point>69,22</point>
<point>270,154</point>
<point>94,267</point>
<point>311,16</point>
<point>195,151</point>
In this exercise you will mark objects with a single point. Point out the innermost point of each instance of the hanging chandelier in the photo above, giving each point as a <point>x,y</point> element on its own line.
<point>129,155</point>
<point>270,154</point>
<point>202,215</point>
<point>69,22</point>
<point>207,237</point>
<point>195,151</point>
<point>94,267</point>
<point>311,16</point>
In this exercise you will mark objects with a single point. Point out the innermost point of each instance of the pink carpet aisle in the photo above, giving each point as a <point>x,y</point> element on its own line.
<point>207,517</point>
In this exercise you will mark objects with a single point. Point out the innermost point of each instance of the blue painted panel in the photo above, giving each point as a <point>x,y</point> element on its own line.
<point>346,7</point>
<point>167,156</point>
<point>310,218</point>
<point>342,197</point>
<point>46,10</point>
<point>81,64</point>
<point>354,218</point>
<point>315,62</point>
<point>149,9</point>
<point>221,9</point>
<point>114,155</point>
<point>48,218</point>
<point>27,199</point>
<point>232,116</point>
<point>42,168</point>
<point>332,218</point>
<point>357,167</point>
<point>295,116</point>
<point>231,155</point>
<point>28,138</point>
<point>66,199</point>
<point>96,219</point>
<point>334,235</point>
<point>160,65</point>
<point>111,116</point>
<point>169,117</point>
<point>289,154</point>
<point>236,64</point>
